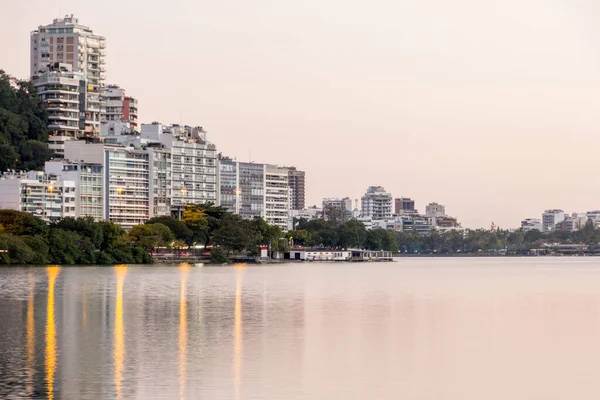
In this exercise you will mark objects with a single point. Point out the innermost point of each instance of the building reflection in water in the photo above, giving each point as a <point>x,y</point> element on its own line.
<point>237,334</point>
<point>184,270</point>
<point>30,336</point>
<point>119,333</point>
<point>51,351</point>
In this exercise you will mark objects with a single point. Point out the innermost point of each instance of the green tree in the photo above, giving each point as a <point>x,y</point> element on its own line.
<point>195,219</point>
<point>151,236</point>
<point>179,229</point>
<point>33,154</point>
<point>232,235</point>
<point>353,234</point>
<point>20,223</point>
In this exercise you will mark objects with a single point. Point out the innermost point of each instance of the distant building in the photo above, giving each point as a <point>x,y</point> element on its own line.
<point>308,214</point>
<point>119,107</point>
<point>332,204</point>
<point>444,222</point>
<point>435,210</point>
<point>594,216</point>
<point>417,224</point>
<point>531,224</point>
<point>404,205</point>
<point>47,197</point>
<point>550,218</point>
<point>297,182</point>
<point>376,203</point>
<point>572,223</point>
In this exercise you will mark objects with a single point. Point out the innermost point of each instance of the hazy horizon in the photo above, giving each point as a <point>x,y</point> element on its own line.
<point>489,109</point>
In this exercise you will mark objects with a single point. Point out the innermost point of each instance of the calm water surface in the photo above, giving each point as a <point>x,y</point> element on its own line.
<point>454,329</point>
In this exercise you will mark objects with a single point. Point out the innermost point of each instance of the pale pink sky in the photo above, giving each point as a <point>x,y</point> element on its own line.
<point>489,107</point>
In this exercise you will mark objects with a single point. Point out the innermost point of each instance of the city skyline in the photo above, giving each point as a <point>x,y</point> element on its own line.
<point>457,122</point>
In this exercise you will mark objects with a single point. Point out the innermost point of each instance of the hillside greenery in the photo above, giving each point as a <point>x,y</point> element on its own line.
<point>23,121</point>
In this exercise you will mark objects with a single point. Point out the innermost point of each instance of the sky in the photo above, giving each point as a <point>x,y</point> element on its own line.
<point>490,108</point>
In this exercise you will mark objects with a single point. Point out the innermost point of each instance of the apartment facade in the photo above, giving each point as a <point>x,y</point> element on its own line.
<point>277,205</point>
<point>376,204</point>
<point>62,91</point>
<point>404,205</point>
<point>435,210</point>
<point>297,183</point>
<point>89,185</point>
<point>45,196</point>
<point>255,190</point>
<point>193,161</point>
<point>119,107</point>
<point>126,189</point>
<point>66,41</point>
<point>550,218</point>
<point>531,224</point>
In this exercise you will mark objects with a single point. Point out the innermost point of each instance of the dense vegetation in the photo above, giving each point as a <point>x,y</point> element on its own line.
<point>338,234</point>
<point>23,121</point>
<point>26,239</point>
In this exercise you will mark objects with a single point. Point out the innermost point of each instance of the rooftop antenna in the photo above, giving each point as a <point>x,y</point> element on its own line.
<point>250,155</point>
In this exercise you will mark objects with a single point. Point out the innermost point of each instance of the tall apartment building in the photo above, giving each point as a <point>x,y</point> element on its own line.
<point>126,183</point>
<point>66,41</point>
<point>404,205</point>
<point>297,182</point>
<point>193,161</point>
<point>119,107</point>
<point>550,218</point>
<point>45,196</point>
<point>255,190</point>
<point>277,206</point>
<point>376,203</point>
<point>62,91</point>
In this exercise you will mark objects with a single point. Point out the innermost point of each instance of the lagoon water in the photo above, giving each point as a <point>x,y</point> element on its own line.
<point>418,328</point>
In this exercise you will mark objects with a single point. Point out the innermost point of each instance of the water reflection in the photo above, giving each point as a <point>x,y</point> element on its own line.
<point>51,360</point>
<point>237,335</point>
<point>184,269</point>
<point>300,332</point>
<point>119,333</point>
<point>30,336</point>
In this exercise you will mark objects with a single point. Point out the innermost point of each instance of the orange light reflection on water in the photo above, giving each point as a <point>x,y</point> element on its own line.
<point>30,336</point>
<point>119,333</point>
<point>237,336</point>
<point>51,361</point>
<point>184,270</point>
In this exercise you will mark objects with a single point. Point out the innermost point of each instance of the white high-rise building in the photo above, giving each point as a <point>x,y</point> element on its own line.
<point>126,185</point>
<point>255,190</point>
<point>193,161</point>
<point>45,196</point>
<point>376,204</point>
<point>277,196</point>
<point>66,41</point>
<point>552,217</point>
